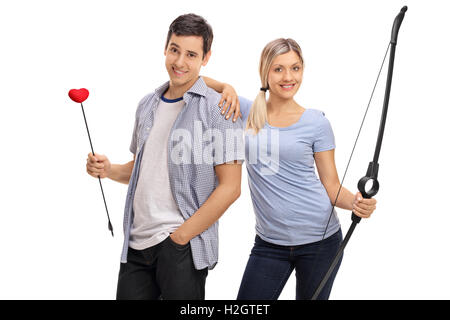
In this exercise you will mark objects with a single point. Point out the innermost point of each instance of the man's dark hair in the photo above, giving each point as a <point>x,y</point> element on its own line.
<point>192,25</point>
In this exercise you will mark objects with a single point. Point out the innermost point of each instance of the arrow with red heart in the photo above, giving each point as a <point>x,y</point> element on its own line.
<point>79,96</point>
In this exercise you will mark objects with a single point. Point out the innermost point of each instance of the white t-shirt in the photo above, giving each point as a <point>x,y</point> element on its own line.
<point>156,214</point>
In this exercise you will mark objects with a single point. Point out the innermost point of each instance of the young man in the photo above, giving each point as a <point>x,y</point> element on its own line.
<point>185,173</point>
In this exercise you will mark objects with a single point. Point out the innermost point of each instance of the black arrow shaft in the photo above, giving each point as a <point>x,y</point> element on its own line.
<point>99,180</point>
<point>87,128</point>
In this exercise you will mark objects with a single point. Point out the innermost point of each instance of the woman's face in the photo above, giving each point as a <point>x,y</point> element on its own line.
<point>285,75</point>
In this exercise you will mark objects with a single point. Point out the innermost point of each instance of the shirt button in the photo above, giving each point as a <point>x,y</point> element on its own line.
<point>147,128</point>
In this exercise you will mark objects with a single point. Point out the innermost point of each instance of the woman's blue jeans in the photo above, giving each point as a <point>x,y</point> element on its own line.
<point>270,266</point>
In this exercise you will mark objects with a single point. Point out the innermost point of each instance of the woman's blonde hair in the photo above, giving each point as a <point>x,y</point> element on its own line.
<point>258,113</point>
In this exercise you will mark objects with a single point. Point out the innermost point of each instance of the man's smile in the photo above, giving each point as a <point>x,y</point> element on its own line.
<point>178,72</point>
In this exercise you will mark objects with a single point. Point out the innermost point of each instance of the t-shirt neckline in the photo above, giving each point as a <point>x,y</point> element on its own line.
<point>292,126</point>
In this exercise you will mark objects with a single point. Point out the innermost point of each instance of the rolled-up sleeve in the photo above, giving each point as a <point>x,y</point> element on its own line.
<point>245,105</point>
<point>133,144</point>
<point>227,140</point>
<point>134,138</point>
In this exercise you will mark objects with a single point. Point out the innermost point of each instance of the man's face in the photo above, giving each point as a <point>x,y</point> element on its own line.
<point>184,59</point>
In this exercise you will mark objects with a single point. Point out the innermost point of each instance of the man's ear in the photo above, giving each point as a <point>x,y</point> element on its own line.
<point>206,58</point>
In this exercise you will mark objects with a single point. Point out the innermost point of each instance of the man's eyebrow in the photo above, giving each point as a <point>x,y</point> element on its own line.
<point>192,52</point>
<point>175,45</point>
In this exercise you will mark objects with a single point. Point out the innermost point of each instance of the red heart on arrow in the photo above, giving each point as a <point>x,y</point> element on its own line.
<point>79,95</point>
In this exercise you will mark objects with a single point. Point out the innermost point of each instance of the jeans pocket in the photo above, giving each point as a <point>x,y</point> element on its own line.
<point>177,245</point>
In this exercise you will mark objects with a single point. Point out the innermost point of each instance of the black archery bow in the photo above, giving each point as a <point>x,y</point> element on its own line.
<point>372,170</point>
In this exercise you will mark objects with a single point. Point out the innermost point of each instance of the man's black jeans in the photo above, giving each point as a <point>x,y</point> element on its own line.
<point>165,271</point>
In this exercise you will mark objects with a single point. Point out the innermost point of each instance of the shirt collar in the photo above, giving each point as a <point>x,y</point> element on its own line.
<point>198,88</point>
<point>160,90</point>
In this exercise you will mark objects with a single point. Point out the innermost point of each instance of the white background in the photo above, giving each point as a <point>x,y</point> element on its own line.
<point>54,242</point>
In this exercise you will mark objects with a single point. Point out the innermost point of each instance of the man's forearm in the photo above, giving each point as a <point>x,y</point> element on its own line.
<point>211,210</point>
<point>121,172</point>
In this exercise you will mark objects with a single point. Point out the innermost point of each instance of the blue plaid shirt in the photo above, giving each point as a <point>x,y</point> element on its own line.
<point>213,141</point>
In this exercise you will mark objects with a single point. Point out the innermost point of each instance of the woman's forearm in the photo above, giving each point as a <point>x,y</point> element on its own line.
<point>214,84</point>
<point>345,199</point>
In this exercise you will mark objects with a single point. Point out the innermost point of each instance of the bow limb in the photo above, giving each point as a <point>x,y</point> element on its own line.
<point>370,179</point>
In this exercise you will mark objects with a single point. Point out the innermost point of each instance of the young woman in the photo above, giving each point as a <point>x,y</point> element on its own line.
<point>293,207</point>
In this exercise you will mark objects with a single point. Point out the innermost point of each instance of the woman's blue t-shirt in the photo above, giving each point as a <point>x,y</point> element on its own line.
<point>290,202</point>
